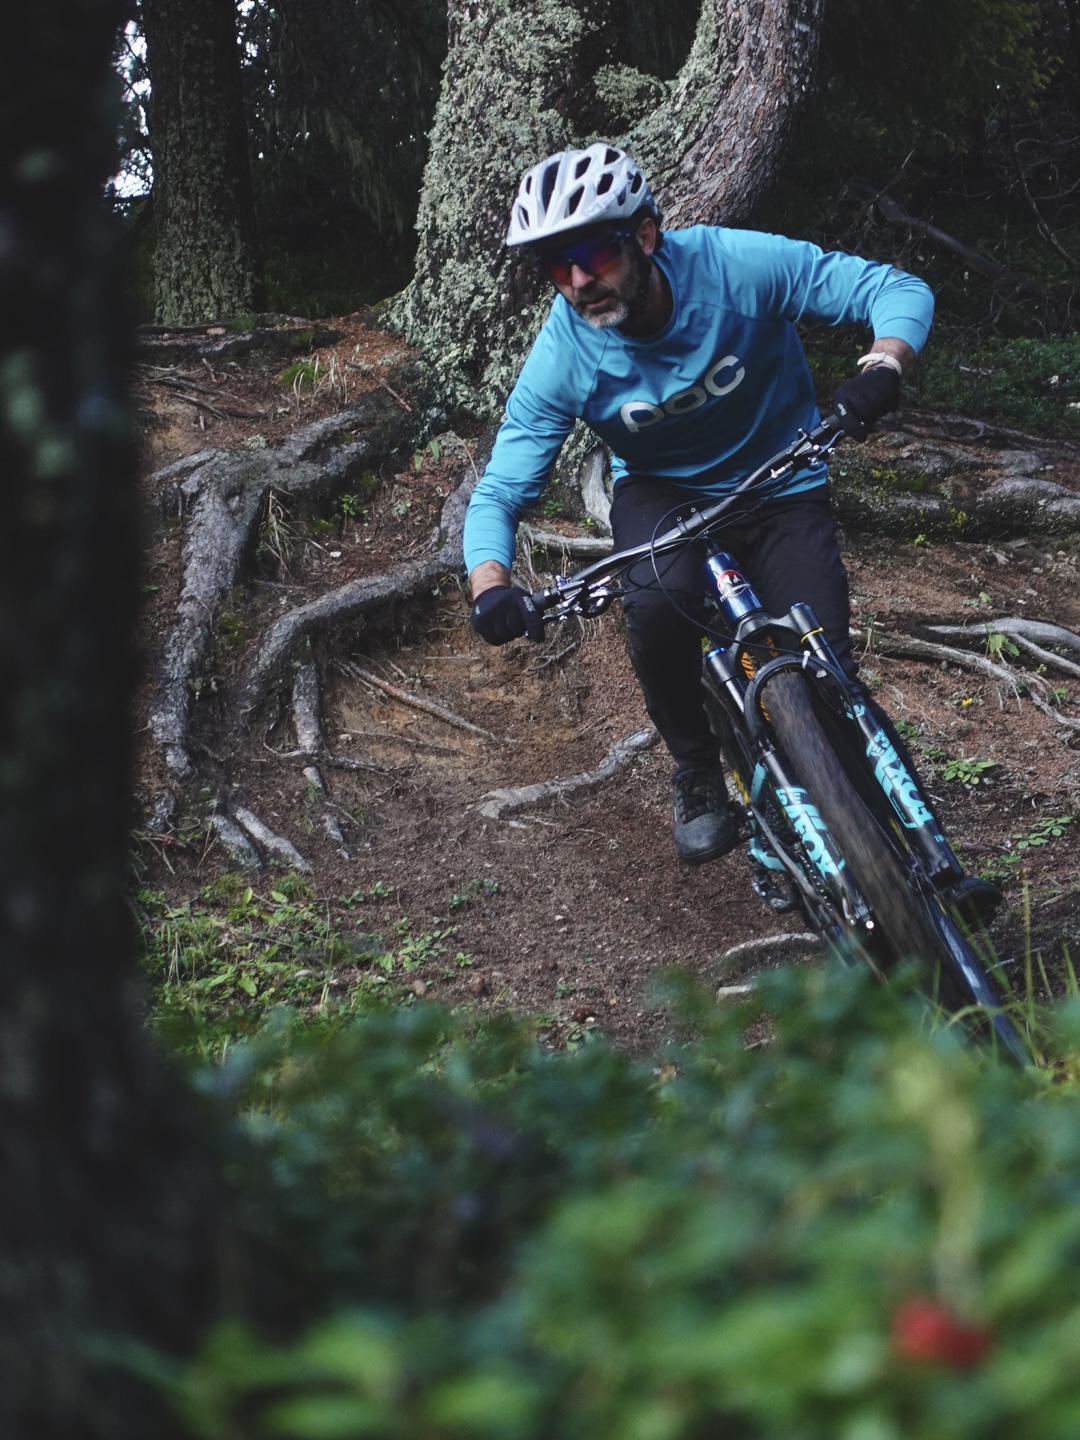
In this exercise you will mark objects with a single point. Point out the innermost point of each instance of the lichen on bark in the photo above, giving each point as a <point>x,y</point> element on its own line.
<point>520,83</point>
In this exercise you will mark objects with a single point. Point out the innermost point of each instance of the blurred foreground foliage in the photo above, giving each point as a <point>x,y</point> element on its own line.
<point>852,1228</point>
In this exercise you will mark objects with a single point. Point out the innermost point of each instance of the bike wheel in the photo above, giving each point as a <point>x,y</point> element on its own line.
<point>913,922</point>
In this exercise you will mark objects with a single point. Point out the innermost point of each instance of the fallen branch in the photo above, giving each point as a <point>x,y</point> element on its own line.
<point>429,707</point>
<point>1061,301</point>
<point>498,803</point>
<point>346,762</point>
<point>394,737</point>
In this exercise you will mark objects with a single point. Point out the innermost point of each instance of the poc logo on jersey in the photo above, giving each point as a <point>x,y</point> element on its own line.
<point>721,379</point>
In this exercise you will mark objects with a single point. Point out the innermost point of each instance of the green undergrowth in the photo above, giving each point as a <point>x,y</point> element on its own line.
<point>1021,383</point>
<point>221,964</point>
<point>854,1227</point>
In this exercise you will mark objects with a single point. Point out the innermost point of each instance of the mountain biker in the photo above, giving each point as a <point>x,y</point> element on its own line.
<point>679,350</point>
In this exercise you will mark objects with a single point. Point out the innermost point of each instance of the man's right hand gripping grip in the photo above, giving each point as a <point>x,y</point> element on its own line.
<point>504,613</point>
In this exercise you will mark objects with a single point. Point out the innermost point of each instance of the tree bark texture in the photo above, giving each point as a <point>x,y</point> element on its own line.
<point>104,1219</point>
<point>526,79</point>
<point>207,264</point>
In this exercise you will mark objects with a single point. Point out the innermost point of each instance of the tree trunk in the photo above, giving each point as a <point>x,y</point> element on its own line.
<point>526,79</point>
<point>105,1228</point>
<point>207,264</point>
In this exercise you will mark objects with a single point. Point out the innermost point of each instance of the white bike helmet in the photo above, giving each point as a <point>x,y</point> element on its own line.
<point>576,188</point>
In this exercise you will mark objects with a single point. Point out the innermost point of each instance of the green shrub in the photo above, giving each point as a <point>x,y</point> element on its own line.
<point>854,1228</point>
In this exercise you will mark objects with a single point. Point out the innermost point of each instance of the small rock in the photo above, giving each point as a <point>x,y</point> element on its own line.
<point>478,985</point>
<point>583,1013</point>
<point>551,963</point>
<point>419,988</point>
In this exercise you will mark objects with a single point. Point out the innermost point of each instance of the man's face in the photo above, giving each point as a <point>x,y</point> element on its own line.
<point>601,273</point>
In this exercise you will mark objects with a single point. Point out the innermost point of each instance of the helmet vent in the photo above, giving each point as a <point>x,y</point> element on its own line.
<point>581,167</point>
<point>635,184</point>
<point>547,186</point>
<point>574,200</point>
<point>610,156</point>
<point>604,184</point>
<point>523,217</point>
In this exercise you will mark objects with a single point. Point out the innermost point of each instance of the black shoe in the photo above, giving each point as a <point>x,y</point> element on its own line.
<point>975,901</point>
<point>704,826</point>
<point>774,888</point>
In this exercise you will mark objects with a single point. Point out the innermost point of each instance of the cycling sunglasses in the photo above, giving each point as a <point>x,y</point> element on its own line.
<point>595,256</point>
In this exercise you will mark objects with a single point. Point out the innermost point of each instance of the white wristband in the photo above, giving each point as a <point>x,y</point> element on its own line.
<point>878,357</point>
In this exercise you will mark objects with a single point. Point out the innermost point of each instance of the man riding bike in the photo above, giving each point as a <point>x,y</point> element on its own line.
<point>679,350</point>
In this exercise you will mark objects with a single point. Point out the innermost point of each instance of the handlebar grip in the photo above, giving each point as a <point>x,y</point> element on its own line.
<point>846,421</point>
<point>545,599</point>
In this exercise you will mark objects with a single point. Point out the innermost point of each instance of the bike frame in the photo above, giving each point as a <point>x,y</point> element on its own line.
<point>780,820</point>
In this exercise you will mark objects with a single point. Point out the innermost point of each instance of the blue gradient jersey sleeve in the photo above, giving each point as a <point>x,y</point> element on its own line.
<point>723,386</point>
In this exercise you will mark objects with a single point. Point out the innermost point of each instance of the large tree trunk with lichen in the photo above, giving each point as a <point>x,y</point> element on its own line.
<point>207,264</point>
<point>107,1234</point>
<point>524,80</point>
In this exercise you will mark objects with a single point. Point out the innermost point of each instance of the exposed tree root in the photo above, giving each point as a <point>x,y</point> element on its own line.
<point>1029,635</point>
<point>274,845</point>
<point>236,842</point>
<point>225,495</point>
<point>306,709</point>
<point>768,945</point>
<point>353,600</point>
<point>278,334</point>
<point>881,643</point>
<point>1013,505</point>
<point>498,803</point>
<point>581,547</point>
<point>1017,681</point>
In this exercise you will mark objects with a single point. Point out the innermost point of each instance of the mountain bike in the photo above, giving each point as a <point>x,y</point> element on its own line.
<point>824,792</point>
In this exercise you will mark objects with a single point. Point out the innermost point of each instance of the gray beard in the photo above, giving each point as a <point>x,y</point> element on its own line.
<point>629,294</point>
<point>609,318</point>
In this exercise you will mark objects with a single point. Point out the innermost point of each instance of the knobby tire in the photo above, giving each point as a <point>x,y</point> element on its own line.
<point>911,925</point>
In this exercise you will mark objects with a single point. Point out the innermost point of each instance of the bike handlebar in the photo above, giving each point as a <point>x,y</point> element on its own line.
<point>810,445</point>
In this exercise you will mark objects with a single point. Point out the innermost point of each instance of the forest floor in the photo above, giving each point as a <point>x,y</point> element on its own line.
<point>570,910</point>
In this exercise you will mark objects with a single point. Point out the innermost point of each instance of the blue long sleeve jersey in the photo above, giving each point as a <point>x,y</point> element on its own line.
<point>722,387</point>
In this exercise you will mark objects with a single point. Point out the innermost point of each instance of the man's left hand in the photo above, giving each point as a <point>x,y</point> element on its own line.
<point>866,397</point>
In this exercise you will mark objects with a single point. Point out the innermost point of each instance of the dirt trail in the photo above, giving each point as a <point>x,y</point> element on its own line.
<point>572,909</point>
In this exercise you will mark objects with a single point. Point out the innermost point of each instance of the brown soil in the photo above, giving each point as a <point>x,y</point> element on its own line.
<point>571,910</point>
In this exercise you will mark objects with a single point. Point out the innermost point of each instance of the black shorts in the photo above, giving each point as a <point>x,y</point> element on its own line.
<point>790,552</point>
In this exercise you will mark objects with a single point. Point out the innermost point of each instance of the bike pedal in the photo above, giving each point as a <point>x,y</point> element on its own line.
<point>774,888</point>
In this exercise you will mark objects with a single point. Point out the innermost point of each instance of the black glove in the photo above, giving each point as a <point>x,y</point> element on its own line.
<point>504,612</point>
<point>865,398</point>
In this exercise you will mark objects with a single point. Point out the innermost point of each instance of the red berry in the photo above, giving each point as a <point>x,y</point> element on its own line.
<point>924,1332</point>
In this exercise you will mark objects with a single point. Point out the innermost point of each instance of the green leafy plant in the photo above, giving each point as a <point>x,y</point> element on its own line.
<point>1047,828</point>
<point>860,1229</point>
<point>221,964</point>
<point>968,772</point>
<point>432,450</point>
<point>998,645</point>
